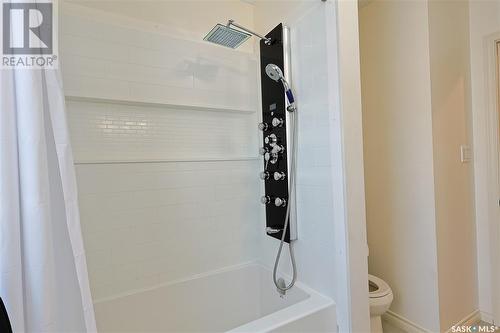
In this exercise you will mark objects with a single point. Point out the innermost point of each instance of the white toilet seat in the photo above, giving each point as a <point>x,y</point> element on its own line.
<point>380,300</point>
<point>382,288</point>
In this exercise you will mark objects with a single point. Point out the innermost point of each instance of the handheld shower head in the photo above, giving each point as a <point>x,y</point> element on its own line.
<point>275,73</point>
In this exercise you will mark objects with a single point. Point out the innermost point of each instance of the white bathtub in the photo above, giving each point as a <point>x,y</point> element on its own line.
<point>241,299</point>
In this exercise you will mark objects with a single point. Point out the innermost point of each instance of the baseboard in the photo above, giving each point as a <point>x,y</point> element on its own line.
<point>403,323</point>
<point>470,320</point>
<point>410,327</point>
<point>487,317</point>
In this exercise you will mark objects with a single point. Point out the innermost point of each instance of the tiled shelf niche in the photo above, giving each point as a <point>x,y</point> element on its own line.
<point>126,131</point>
<point>208,108</point>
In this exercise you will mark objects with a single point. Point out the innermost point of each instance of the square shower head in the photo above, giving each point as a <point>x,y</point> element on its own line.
<point>226,36</point>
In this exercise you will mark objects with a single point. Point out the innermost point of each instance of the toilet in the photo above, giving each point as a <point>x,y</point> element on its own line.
<point>380,300</point>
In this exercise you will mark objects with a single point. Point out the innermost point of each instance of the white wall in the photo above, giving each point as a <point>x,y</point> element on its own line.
<point>194,209</point>
<point>416,108</point>
<point>149,223</point>
<point>449,46</point>
<point>187,19</point>
<point>484,19</point>
<point>397,130</point>
<point>140,61</point>
<point>347,141</point>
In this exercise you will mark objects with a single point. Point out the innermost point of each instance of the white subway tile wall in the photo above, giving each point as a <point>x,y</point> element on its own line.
<point>117,132</point>
<point>101,60</point>
<point>149,223</point>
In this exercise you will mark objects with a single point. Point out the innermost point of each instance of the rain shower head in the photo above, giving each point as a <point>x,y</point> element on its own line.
<point>229,37</point>
<point>226,36</point>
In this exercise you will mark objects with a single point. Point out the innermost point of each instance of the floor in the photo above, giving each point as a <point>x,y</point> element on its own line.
<point>483,323</point>
<point>388,328</point>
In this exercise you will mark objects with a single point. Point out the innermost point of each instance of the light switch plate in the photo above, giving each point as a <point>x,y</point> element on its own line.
<point>465,154</point>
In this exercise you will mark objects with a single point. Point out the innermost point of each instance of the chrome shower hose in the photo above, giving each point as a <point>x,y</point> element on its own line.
<point>292,175</point>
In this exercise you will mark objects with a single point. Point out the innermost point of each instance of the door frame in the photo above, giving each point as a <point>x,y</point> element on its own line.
<point>348,176</point>
<point>492,130</point>
<point>496,168</point>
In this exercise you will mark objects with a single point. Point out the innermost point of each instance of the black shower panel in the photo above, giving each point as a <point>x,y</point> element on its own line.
<point>274,135</point>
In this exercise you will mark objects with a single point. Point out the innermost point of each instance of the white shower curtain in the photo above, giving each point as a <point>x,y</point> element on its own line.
<point>43,273</point>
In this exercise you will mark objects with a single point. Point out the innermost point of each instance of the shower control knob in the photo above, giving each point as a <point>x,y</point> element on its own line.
<point>273,158</point>
<point>279,176</point>
<point>263,127</point>
<point>265,199</point>
<point>271,139</point>
<point>264,175</point>
<point>263,151</point>
<point>277,122</point>
<point>279,202</point>
<point>277,149</point>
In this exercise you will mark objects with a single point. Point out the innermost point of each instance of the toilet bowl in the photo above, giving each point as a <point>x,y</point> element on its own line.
<point>380,300</point>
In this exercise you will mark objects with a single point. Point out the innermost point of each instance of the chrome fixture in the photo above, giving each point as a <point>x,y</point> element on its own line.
<point>263,151</point>
<point>277,149</point>
<point>267,157</point>
<point>274,158</point>
<point>281,287</point>
<point>263,126</point>
<point>275,73</point>
<point>267,41</point>
<point>279,176</point>
<point>279,202</point>
<point>264,175</point>
<point>229,37</point>
<point>271,139</point>
<point>277,122</point>
<point>270,230</point>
